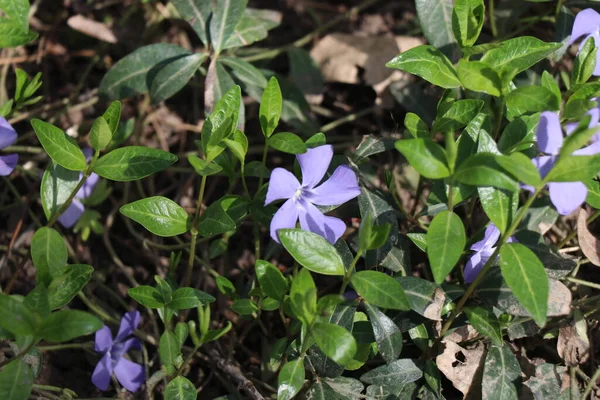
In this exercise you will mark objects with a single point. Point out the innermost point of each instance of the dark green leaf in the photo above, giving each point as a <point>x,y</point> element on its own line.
<point>16,381</point>
<point>459,114</point>
<point>184,298</point>
<point>66,325</point>
<point>61,148</point>
<point>585,62</point>
<point>12,34</point>
<point>485,322</point>
<point>169,349</point>
<point>479,77</point>
<point>290,380</point>
<point>424,297</point>
<point>312,251</point>
<point>499,205</point>
<point>147,296</point>
<point>530,99</point>
<point>215,220</point>
<point>159,215</point>
<point>426,156</point>
<point>574,168</point>
<point>395,373</point>
<point>271,280</point>
<point>429,63</point>
<point>244,72</point>
<point>380,289</point>
<point>244,306</point>
<point>226,15</point>
<point>49,254</point>
<point>197,14</point>
<point>435,19</point>
<point>521,167</point>
<point>445,243</point>
<point>501,374</point>
<point>387,334</point>
<point>253,26</point>
<point>64,287</point>
<point>336,342</point>
<point>16,317</point>
<point>132,163</point>
<point>482,169</point>
<point>180,388</point>
<point>171,77</point>
<point>37,300</point>
<point>287,142</point>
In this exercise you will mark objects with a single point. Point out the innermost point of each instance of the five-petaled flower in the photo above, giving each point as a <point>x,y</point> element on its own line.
<point>566,196</point>
<point>483,251</point>
<point>76,209</point>
<point>7,137</point>
<point>129,374</point>
<point>302,198</point>
<point>587,22</point>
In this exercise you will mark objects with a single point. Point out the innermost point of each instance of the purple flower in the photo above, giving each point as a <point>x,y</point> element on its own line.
<point>76,209</point>
<point>129,374</point>
<point>483,251</point>
<point>566,196</point>
<point>587,23</point>
<point>301,198</point>
<point>7,137</point>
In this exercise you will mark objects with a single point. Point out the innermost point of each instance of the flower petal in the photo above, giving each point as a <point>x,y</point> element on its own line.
<point>104,340</point>
<point>88,152</point>
<point>8,135</point>
<point>311,219</point>
<point>102,372</point>
<point>88,187</point>
<point>129,322</point>
<point>549,133</point>
<point>285,217</point>
<point>130,374</point>
<point>567,196</point>
<point>129,344</point>
<point>72,214</point>
<point>476,263</point>
<point>8,164</point>
<point>544,164</point>
<point>314,164</point>
<point>282,185</point>
<point>490,237</point>
<point>585,23</point>
<point>338,189</point>
<point>590,150</point>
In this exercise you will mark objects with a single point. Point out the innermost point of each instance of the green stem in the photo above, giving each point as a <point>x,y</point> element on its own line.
<point>348,274</point>
<point>19,355</point>
<point>86,345</point>
<point>80,184</point>
<point>591,384</point>
<point>23,149</point>
<point>264,164</point>
<point>571,235</point>
<point>348,118</point>
<point>583,283</point>
<point>491,8</point>
<point>194,232</point>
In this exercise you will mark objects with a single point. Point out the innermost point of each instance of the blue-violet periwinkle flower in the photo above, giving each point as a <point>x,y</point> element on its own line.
<point>302,198</point>
<point>587,22</point>
<point>566,196</point>
<point>483,251</point>
<point>7,137</point>
<point>128,373</point>
<point>76,209</point>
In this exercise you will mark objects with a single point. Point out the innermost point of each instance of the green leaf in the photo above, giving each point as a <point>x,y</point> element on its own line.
<point>226,15</point>
<point>312,251</point>
<point>578,138</point>
<point>203,167</point>
<point>244,72</point>
<point>147,296</point>
<point>215,220</point>
<point>435,20</point>
<point>12,34</point>
<point>395,373</point>
<point>244,306</point>
<point>169,348</point>
<point>585,62</point>
<point>530,99</point>
<point>130,75</point>
<point>271,280</point>
<point>16,317</point>
<point>253,26</point>
<point>287,142</point>
<point>290,379</point>
<point>49,254</point>
<point>221,123</point>
<point>64,287</point>
<point>112,115</point>
<point>445,243</point>
<point>238,145</point>
<point>37,300</point>
<point>173,76</point>
<point>304,71</point>
<point>499,205</point>
<point>197,13</point>
<point>574,168</point>
<point>521,167</point>
<point>180,388</point>
<point>428,63</point>
<point>416,126</point>
<point>419,239</point>
<point>380,289</point>
<point>215,334</point>
<point>336,342</point>
<point>271,107</point>
<point>425,297</point>
<point>501,374</point>
<point>61,148</point>
<point>372,237</point>
<point>184,298</point>
<point>485,322</point>
<point>517,55</point>
<point>101,134</point>
<point>320,390</point>
<point>527,278</point>
<point>386,332</point>
<point>519,134</point>
<point>159,215</point>
<point>16,380</point>
<point>467,21</point>
<point>549,83</point>
<point>459,114</point>
<point>482,169</point>
<point>593,196</point>
<point>426,156</point>
<point>303,297</point>
<point>479,77</point>
<point>57,185</point>
<point>66,325</point>
<point>132,163</point>
<point>18,13</point>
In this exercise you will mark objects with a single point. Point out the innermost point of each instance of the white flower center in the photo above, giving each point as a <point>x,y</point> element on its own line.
<point>298,193</point>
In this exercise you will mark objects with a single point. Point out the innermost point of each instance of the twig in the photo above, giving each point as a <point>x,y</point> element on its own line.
<point>235,374</point>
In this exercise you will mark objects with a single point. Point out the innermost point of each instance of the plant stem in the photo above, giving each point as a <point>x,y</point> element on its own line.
<point>493,27</point>
<point>194,232</point>
<point>348,274</point>
<point>583,283</point>
<point>571,235</point>
<point>19,355</point>
<point>591,384</point>
<point>264,164</point>
<point>85,345</point>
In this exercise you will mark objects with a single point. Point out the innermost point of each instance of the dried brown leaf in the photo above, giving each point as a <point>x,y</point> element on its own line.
<point>92,28</point>
<point>573,344</point>
<point>459,364</point>
<point>587,241</point>
<point>434,310</point>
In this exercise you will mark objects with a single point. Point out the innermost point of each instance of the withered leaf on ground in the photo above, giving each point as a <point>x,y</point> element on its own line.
<point>589,244</point>
<point>92,28</point>
<point>459,364</point>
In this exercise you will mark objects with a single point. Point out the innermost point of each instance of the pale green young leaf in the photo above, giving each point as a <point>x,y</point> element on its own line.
<point>479,77</point>
<point>244,72</point>
<point>271,106</point>
<point>203,167</point>
<point>60,147</point>
<point>287,142</point>
<point>467,21</point>
<point>101,134</point>
<point>380,290</point>
<point>238,145</point>
<point>49,254</point>
<point>585,62</point>
<point>303,297</point>
<point>180,388</point>
<point>147,296</point>
<point>65,286</point>
<point>485,322</point>
<point>426,156</point>
<point>429,63</point>
<point>335,341</point>
<point>416,126</point>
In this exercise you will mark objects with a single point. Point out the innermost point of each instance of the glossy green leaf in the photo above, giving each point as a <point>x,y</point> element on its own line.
<point>159,215</point>
<point>372,237</point>
<point>521,167</point>
<point>336,342</point>
<point>585,62</point>
<point>519,134</point>
<point>271,107</point>
<point>386,332</point>
<point>445,243</point>
<point>499,205</point>
<point>49,254</point>
<point>65,286</point>
<point>184,298</point>
<point>526,276</point>
<point>130,75</point>
<point>501,374</point>
<point>287,142</point>
<point>197,13</point>
<point>416,126</point>
<point>312,251</point>
<point>215,220</point>
<point>132,163</point>
<point>380,289</point>
<point>203,167</point>
<point>244,306</point>
<point>101,134</point>
<point>180,388</point>
<point>485,322</point>
<point>482,169</point>
<point>459,114</point>
<point>221,123</point>
<point>171,77</point>
<point>428,63</point>
<point>479,77</point>
<point>16,317</point>
<point>467,21</point>
<point>423,296</point>
<point>61,148</point>
<point>395,373</point>
<point>37,300</point>
<point>549,83</point>
<point>112,115</point>
<point>574,168</point>
<point>253,26</point>
<point>530,99</point>
<point>435,20</point>
<point>290,379</point>
<point>426,156</point>
<point>238,145</point>
<point>320,390</point>
<point>57,184</point>
<point>13,34</point>
<point>271,280</point>
<point>147,296</point>
<point>303,297</point>
<point>226,15</point>
<point>66,325</point>
<point>169,348</point>
<point>244,72</point>
<point>16,381</point>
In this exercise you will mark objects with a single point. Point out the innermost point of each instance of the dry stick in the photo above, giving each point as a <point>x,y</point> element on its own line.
<point>236,375</point>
